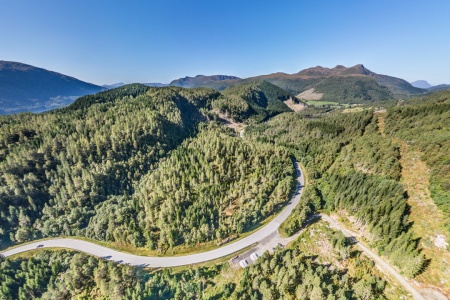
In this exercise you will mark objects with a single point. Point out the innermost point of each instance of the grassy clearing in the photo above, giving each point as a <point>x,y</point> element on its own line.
<point>428,220</point>
<point>353,109</point>
<point>321,103</point>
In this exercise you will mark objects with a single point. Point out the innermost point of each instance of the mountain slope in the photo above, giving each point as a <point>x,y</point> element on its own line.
<point>340,84</point>
<point>28,88</point>
<point>441,87</point>
<point>369,86</point>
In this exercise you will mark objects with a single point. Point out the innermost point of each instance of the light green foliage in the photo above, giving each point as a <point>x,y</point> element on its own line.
<point>285,275</point>
<point>424,123</point>
<point>71,275</point>
<point>289,275</point>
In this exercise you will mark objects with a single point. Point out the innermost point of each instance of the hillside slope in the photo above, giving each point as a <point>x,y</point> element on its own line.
<point>27,88</point>
<point>201,80</point>
<point>252,102</point>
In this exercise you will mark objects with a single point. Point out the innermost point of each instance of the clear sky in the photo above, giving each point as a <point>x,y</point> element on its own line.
<point>103,41</point>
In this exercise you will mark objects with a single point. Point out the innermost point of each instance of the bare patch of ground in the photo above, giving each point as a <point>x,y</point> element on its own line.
<point>353,225</point>
<point>361,168</point>
<point>295,106</point>
<point>231,209</point>
<point>229,121</point>
<point>432,294</point>
<point>440,241</point>
<point>310,95</point>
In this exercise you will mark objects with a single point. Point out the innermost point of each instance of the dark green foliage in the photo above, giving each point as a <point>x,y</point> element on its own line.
<point>252,102</point>
<point>310,202</point>
<point>378,202</point>
<point>372,154</point>
<point>352,89</point>
<point>95,169</point>
<point>71,275</point>
<point>212,187</point>
<point>131,90</point>
<point>317,142</point>
<point>293,84</point>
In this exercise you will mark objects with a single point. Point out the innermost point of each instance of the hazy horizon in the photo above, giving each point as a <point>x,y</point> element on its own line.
<point>109,42</point>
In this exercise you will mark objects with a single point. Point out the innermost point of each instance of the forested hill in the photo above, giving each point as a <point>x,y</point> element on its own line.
<point>108,167</point>
<point>56,167</point>
<point>201,80</point>
<point>253,101</point>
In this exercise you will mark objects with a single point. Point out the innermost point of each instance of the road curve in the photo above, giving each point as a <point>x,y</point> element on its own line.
<point>171,261</point>
<point>375,257</point>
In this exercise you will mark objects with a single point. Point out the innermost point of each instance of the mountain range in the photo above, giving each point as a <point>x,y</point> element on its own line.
<point>425,85</point>
<point>27,88</point>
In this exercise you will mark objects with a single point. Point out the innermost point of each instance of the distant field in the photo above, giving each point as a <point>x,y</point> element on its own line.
<point>321,103</point>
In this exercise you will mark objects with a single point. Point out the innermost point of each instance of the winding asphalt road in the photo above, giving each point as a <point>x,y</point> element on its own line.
<point>171,261</point>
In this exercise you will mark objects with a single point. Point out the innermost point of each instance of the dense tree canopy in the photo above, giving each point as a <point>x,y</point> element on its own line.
<point>97,168</point>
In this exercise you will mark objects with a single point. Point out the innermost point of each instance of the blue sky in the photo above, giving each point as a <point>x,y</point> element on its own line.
<point>157,41</point>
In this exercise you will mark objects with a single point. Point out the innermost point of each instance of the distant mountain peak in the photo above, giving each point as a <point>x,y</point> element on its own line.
<point>423,84</point>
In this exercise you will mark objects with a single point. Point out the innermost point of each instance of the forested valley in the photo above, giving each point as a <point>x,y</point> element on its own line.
<point>155,168</point>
